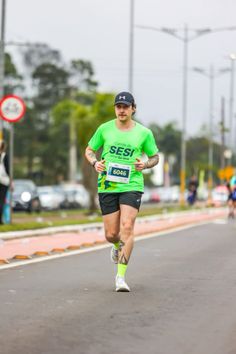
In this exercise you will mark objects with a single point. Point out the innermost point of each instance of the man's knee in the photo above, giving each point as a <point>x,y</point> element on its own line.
<point>112,236</point>
<point>127,226</point>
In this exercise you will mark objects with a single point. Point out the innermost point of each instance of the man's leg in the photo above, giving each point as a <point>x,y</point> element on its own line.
<point>127,220</point>
<point>112,229</point>
<point>112,226</point>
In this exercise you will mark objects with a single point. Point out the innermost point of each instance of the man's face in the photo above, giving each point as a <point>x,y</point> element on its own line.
<point>123,112</point>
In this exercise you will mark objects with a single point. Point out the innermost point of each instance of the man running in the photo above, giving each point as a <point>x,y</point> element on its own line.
<point>120,179</point>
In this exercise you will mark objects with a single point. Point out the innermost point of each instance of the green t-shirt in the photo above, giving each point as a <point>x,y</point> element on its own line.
<point>121,148</point>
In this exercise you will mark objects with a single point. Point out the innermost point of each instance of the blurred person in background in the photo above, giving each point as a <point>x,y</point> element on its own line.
<point>192,190</point>
<point>120,179</point>
<point>4,177</point>
<point>232,196</point>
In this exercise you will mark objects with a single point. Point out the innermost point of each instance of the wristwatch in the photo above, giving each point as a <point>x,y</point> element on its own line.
<point>94,163</point>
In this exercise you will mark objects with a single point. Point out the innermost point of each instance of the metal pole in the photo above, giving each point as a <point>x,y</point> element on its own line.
<point>11,156</point>
<point>73,151</point>
<point>222,132</point>
<point>211,116</point>
<point>231,104</point>
<point>131,46</point>
<point>184,117</point>
<point>2,38</point>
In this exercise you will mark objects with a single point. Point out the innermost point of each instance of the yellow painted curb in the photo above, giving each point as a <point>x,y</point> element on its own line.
<point>4,261</point>
<point>41,253</point>
<point>73,247</point>
<point>22,256</point>
<point>100,242</point>
<point>87,244</point>
<point>58,250</point>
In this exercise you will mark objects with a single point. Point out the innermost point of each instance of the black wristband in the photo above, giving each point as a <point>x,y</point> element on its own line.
<point>94,163</point>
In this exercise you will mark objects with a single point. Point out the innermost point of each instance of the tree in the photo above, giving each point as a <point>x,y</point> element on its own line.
<point>168,140</point>
<point>81,72</point>
<point>87,119</point>
<point>12,79</point>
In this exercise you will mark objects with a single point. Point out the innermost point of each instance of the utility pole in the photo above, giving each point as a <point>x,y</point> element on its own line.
<point>72,151</point>
<point>184,117</point>
<point>131,46</point>
<point>211,115</point>
<point>2,39</point>
<point>73,144</point>
<point>211,74</point>
<point>222,130</point>
<point>231,104</point>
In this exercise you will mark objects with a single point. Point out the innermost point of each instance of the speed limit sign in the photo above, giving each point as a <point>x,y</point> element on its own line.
<point>12,108</point>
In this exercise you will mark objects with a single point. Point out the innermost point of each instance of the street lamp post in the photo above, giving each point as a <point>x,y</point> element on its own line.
<point>184,116</point>
<point>211,75</point>
<point>131,46</point>
<point>231,102</point>
<point>186,38</point>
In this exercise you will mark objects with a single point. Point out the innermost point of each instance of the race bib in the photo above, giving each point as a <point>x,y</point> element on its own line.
<point>118,173</point>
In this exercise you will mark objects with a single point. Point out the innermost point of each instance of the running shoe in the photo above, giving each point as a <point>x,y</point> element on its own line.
<point>114,255</point>
<point>121,285</point>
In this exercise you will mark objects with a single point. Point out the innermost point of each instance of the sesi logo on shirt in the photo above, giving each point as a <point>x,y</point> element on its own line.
<point>120,151</point>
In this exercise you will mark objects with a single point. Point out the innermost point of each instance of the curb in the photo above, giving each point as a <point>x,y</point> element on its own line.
<point>145,228</point>
<point>98,225</point>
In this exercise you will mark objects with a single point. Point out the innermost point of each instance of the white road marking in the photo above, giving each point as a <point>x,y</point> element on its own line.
<point>220,221</point>
<point>96,248</point>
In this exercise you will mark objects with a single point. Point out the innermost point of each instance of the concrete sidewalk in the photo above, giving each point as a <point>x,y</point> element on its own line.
<point>33,243</point>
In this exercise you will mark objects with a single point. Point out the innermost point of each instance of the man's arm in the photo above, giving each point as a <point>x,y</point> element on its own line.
<point>151,162</point>
<point>90,155</point>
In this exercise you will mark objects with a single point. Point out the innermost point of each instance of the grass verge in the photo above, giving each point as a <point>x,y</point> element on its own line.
<point>24,221</point>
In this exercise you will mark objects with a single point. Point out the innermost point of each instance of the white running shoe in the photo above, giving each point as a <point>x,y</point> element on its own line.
<point>114,255</point>
<point>121,284</point>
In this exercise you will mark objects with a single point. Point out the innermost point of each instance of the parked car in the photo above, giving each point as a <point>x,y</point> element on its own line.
<point>76,195</point>
<point>220,195</point>
<point>25,196</point>
<point>169,194</point>
<point>50,198</point>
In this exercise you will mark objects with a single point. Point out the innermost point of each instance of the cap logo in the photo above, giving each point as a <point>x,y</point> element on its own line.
<point>121,97</point>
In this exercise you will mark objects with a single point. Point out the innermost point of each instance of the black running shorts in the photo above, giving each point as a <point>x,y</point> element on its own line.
<point>110,202</point>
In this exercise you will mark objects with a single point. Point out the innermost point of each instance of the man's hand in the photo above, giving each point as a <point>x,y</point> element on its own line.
<point>100,166</point>
<point>139,165</point>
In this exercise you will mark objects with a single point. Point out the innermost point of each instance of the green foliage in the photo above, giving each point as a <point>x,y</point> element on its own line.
<point>12,79</point>
<point>197,155</point>
<point>85,119</point>
<point>82,73</point>
<point>52,85</point>
<point>168,140</point>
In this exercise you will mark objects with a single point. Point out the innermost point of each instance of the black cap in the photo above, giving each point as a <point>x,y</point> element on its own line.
<point>124,98</point>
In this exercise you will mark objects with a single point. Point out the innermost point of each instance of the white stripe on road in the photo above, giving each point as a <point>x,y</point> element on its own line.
<point>96,248</point>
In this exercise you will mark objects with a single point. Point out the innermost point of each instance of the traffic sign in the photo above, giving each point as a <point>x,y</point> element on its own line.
<point>229,172</point>
<point>12,108</point>
<point>221,174</point>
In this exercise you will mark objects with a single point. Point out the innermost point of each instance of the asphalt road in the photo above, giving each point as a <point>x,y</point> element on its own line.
<point>182,300</point>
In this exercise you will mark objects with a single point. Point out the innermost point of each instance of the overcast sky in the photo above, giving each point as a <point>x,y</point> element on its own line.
<point>98,30</point>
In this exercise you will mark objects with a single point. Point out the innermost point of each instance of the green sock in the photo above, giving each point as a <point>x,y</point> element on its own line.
<point>116,245</point>
<point>121,270</point>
